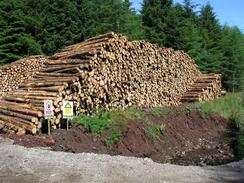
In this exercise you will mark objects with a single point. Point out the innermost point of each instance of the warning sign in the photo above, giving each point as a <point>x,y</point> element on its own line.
<point>68,108</point>
<point>48,109</point>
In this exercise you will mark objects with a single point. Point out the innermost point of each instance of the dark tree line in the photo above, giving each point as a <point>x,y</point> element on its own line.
<point>30,27</point>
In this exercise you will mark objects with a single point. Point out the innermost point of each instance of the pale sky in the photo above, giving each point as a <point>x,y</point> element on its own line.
<point>229,12</point>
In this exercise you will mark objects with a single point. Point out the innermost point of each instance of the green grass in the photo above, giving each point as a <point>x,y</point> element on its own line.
<point>230,107</point>
<point>102,120</point>
<point>240,148</point>
<point>161,111</point>
<point>112,138</point>
<point>154,131</point>
<point>225,106</point>
<point>115,123</point>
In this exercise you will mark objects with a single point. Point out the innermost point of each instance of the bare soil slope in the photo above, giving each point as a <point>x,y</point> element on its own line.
<point>189,139</point>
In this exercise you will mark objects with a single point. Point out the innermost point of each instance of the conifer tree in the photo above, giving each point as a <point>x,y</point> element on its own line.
<point>156,20</point>
<point>232,45</point>
<point>211,33</point>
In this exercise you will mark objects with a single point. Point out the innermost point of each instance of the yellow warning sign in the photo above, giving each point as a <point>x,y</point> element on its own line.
<point>68,109</point>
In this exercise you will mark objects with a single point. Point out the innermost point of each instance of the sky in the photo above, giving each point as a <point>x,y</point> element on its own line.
<point>230,12</point>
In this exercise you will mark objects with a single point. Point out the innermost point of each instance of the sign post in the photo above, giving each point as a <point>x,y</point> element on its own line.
<point>68,111</point>
<point>48,113</point>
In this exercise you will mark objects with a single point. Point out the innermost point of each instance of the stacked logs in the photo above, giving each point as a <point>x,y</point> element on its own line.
<point>123,74</point>
<point>205,88</point>
<point>106,71</point>
<point>12,75</point>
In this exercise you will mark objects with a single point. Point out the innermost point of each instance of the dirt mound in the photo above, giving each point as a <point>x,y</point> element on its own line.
<point>189,138</point>
<point>134,142</point>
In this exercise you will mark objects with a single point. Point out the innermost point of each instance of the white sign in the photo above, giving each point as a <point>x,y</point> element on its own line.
<point>68,109</point>
<point>48,109</point>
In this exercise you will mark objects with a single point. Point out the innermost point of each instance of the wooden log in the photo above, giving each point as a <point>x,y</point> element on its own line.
<point>62,63</point>
<point>33,93</point>
<point>55,74</point>
<point>10,128</point>
<point>67,80</point>
<point>99,37</point>
<point>20,108</point>
<point>31,97</point>
<point>46,84</point>
<point>58,88</point>
<point>19,115</point>
<point>19,123</point>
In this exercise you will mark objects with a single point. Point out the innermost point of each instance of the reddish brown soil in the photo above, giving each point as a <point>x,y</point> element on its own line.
<point>188,139</point>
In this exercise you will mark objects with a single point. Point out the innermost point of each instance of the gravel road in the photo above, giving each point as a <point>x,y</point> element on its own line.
<point>24,165</point>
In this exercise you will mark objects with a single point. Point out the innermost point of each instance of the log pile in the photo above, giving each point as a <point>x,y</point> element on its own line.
<point>205,88</point>
<point>123,74</point>
<point>12,75</point>
<point>106,71</point>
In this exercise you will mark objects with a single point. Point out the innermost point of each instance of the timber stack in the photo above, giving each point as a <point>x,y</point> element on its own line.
<point>12,75</point>
<point>106,71</point>
<point>206,87</point>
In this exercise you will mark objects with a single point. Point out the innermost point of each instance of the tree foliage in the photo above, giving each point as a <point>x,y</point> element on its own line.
<point>215,48</point>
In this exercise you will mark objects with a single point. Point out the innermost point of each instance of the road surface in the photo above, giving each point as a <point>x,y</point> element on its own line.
<point>28,165</point>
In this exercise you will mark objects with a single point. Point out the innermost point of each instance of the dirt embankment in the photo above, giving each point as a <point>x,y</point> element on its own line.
<point>189,139</point>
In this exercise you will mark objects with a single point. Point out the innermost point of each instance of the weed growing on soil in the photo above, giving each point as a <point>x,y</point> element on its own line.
<point>161,111</point>
<point>113,122</point>
<point>102,120</point>
<point>230,107</point>
<point>112,138</point>
<point>154,131</point>
<point>93,124</point>
<point>241,146</point>
<point>225,106</point>
<point>187,110</point>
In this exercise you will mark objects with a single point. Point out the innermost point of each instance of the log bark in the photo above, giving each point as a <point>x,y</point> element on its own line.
<point>19,123</point>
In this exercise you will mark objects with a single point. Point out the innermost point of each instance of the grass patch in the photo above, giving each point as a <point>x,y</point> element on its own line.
<point>102,120</point>
<point>230,107</point>
<point>161,111</point>
<point>154,131</point>
<point>225,106</point>
<point>112,138</point>
<point>113,122</point>
<point>187,110</point>
<point>240,149</point>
